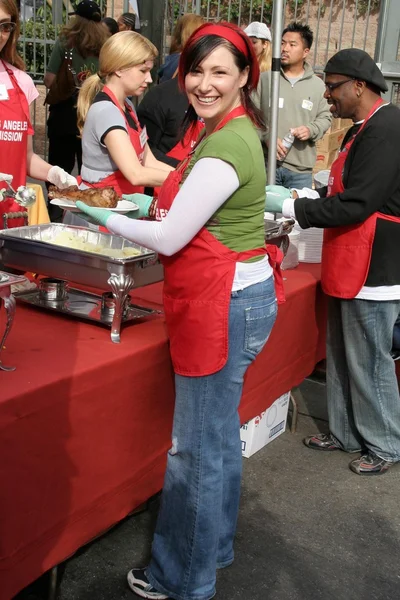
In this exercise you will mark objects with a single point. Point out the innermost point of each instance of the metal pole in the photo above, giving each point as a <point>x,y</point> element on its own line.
<point>382,31</point>
<point>198,7</point>
<point>277,27</point>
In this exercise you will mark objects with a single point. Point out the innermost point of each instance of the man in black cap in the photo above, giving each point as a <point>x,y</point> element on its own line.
<point>360,211</point>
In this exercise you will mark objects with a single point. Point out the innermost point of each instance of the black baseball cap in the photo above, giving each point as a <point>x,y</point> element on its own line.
<point>356,63</point>
<point>89,10</point>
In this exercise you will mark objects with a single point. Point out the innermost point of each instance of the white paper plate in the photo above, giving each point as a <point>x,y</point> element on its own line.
<point>123,206</point>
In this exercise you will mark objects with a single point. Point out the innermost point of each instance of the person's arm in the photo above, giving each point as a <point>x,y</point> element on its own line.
<point>191,210</point>
<point>123,154</point>
<point>365,192</point>
<point>320,124</point>
<point>36,166</point>
<point>264,103</point>
<point>149,160</point>
<point>55,62</point>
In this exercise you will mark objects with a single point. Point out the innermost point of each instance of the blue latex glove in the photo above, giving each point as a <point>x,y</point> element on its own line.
<point>98,215</point>
<point>143,203</point>
<point>275,195</point>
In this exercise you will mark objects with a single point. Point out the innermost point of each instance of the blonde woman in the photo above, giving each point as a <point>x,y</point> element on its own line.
<point>184,27</point>
<point>261,37</point>
<point>115,148</point>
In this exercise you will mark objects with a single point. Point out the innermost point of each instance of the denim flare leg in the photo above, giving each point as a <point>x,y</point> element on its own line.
<point>200,500</point>
<point>362,389</point>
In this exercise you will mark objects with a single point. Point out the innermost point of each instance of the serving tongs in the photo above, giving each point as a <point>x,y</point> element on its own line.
<point>24,196</point>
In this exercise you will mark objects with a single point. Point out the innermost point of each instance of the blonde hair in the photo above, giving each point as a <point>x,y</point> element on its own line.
<point>9,52</point>
<point>85,36</point>
<point>123,50</point>
<point>265,59</point>
<point>185,26</point>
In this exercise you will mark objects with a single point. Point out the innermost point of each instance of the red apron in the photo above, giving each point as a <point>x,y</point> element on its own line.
<point>16,125</point>
<point>346,251</point>
<point>182,149</point>
<point>197,289</point>
<point>117,180</point>
<point>186,145</point>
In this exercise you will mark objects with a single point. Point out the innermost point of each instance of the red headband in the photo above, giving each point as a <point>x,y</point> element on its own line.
<point>222,31</point>
<point>230,33</point>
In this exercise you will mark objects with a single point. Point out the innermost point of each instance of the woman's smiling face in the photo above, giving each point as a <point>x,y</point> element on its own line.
<point>213,88</point>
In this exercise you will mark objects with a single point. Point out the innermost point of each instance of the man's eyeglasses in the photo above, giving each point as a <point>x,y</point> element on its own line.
<point>7,27</point>
<point>332,86</point>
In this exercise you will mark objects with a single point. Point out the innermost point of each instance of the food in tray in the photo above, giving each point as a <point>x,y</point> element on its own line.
<point>100,197</point>
<point>69,240</point>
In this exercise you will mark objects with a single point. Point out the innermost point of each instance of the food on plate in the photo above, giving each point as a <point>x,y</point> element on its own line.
<point>101,197</point>
<point>69,240</point>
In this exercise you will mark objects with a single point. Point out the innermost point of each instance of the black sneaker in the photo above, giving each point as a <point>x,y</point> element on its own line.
<point>370,464</point>
<point>141,586</point>
<point>321,441</point>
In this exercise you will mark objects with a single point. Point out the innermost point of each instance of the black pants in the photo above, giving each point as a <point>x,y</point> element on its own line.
<point>64,150</point>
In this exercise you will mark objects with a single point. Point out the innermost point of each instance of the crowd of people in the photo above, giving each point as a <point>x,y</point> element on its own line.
<point>194,147</point>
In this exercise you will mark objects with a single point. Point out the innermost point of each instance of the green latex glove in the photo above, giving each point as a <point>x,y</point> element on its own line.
<point>143,203</point>
<point>98,215</point>
<point>275,195</point>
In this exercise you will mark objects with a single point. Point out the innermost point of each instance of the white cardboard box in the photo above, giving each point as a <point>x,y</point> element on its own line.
<point>264,428</point>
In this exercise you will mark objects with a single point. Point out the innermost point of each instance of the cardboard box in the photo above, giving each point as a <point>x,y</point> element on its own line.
<point>264,428</point>
<point>335,125</point>
<point>331,141</point>
<point>324,160</point>
<point>346,123</point>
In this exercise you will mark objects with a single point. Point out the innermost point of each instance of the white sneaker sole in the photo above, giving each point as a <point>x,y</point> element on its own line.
<point>136,585</point>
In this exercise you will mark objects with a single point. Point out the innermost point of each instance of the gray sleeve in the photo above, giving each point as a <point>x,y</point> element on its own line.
<point>104,117</point>
<point>265,83</point>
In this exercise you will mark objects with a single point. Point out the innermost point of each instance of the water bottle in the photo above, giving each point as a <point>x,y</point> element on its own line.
<point>288,140</point>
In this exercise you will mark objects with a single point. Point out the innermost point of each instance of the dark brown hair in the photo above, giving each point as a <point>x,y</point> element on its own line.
<point>198,49</point>
<point>85,36</point>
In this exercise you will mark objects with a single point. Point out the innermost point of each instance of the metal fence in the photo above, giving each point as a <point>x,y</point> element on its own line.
<point>336,24</point>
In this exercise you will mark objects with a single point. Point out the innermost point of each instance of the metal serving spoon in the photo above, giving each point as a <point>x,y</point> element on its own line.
<point>24,196</point>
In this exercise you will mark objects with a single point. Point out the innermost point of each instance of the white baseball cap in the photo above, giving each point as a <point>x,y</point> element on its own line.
<point>258,30</point>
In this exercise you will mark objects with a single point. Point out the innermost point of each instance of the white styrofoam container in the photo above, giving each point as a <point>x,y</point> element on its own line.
<point>264,428</point>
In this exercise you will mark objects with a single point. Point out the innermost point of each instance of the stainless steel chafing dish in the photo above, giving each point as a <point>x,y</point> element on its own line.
<point>32,249</point>
<point>277,232</point>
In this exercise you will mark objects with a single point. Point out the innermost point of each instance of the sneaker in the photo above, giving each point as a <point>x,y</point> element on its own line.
<point>141,586</point>
<point>370,464</point>
<point>395,354</point>
<point>321,441</point>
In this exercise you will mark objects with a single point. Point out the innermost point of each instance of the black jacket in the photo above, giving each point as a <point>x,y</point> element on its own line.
<point>162,111</point>
<point>371,179</point>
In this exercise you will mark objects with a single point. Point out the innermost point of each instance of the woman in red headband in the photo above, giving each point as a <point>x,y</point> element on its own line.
<point>220,306</point>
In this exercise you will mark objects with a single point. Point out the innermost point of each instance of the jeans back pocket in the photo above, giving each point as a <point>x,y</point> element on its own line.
<point>259,323</point>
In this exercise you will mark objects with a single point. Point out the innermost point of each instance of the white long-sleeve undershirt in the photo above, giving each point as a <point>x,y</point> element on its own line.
<point>210,183</point>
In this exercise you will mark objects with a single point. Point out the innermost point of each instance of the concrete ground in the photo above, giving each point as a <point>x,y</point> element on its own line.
<point>308,528</point>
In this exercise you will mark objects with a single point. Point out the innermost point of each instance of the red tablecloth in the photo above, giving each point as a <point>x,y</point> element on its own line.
<point>85,424</point>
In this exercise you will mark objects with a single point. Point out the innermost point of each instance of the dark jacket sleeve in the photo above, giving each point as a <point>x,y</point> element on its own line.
<point>151,115</point>
<point>371,177</point>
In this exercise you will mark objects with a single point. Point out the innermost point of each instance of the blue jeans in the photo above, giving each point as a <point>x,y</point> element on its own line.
<point>200,500</point>
<point>290,179</point>
<point>362,389</point>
